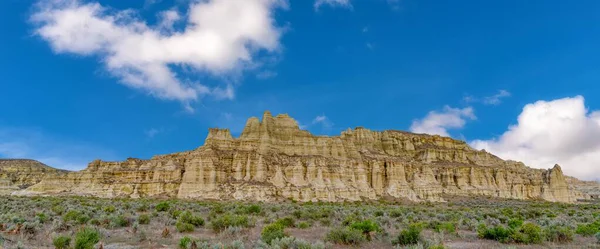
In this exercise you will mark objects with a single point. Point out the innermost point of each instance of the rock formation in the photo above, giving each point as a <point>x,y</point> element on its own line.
<point>16,174</point>
<point>274,159</point>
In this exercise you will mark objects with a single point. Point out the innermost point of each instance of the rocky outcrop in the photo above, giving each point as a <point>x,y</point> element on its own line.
<point>16,174</point>
<point>274,159</point>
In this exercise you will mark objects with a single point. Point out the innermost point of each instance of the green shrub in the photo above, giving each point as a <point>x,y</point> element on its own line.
<point>272,231</point>
<point>597,237</point>
<point>86,238</point>
<point>366,227</point>
<point>72,215</point>
<point>588,229</point>
<point>345,236</point>
<point>287,221</point>
<point>558,234</point>
<point>446,227</point>
<point>396,213</point>
<point>253,209</point>
<point>175,213</point>
<point>497,233</point>
<point>184,227</point>
<point>144,219</point>
<point>224,221</point>
<point>409,236</point>
<point>515,223</point>
<point>528,233</point>
<point>83,219</point>
<point>61,242</point>
<point>109,209</point>
<point>41,217</point>
<point>303,225</point>
<point>163,206</point>
<point>185,242</point>
<point>58,210</point>
<point>189,218</point>
<point>120,221</point>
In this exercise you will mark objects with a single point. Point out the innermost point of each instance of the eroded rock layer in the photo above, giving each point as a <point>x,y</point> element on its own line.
<point>16,174</point>
<point>274,159</point>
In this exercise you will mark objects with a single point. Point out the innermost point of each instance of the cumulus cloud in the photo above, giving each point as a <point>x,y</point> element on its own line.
<point>560,131</point>
<point>333,3</point>
<point>439,122</point>
<point>220,37</point>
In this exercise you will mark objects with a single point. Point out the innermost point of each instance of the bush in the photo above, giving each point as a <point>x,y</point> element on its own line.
<point>345,236</point>
<point>528,233</point>
<point>58,210</point>
<point>41,217</point>
<point>61,242</point>
<point>303,225</point>
<point>109,209</point>
<point>86,238</point>
<point>184,227</point>
<point>144,219</point>
<point>72,215</point>
<point>446,227</point>
<point>120,221</point>
<point>366,227</point>
<point>588,229</point>
<point>253,209</point>
<point>409,236</point>
<point>558,234</point>
<point>184,242</point>
<point>597,237</point>
<point>287,221</point>
<point>228,220</point>
<point>515,223</point>
<point>497,233</point>
<point>189,218</point>
<point>272,231</point>
<point>163,206</point>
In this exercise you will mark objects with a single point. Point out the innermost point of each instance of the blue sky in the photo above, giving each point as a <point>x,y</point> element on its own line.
<point>517,78</point>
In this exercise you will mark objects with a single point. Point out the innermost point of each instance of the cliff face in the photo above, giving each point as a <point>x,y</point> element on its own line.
<point>273,159</point>
<point>16,174</point>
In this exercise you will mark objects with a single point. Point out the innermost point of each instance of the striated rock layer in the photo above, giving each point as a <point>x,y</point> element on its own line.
<point>273,159</point>
<point>16,174</point>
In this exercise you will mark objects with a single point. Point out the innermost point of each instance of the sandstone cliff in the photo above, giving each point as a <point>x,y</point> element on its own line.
<point>274,159</point>
<point>18,174</point>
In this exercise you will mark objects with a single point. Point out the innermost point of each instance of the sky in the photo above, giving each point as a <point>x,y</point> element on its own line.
<point>107,79</point>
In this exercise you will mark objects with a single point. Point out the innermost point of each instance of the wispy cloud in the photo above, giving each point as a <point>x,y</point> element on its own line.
<point>332,3</point>
<point>54,151</point>
<point>495,99</point>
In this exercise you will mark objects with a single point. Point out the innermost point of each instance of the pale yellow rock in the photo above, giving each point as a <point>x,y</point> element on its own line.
<point>274,159</point>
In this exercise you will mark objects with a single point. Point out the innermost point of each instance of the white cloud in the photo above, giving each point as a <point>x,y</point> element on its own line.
<point>319,119</point>
<point>439,122</point>
<point>27,143</point>
<point>560,131</point>
<point>333,3</point>
<point>220,38</point>
<point>495,99</point>
<point>152,132</point>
